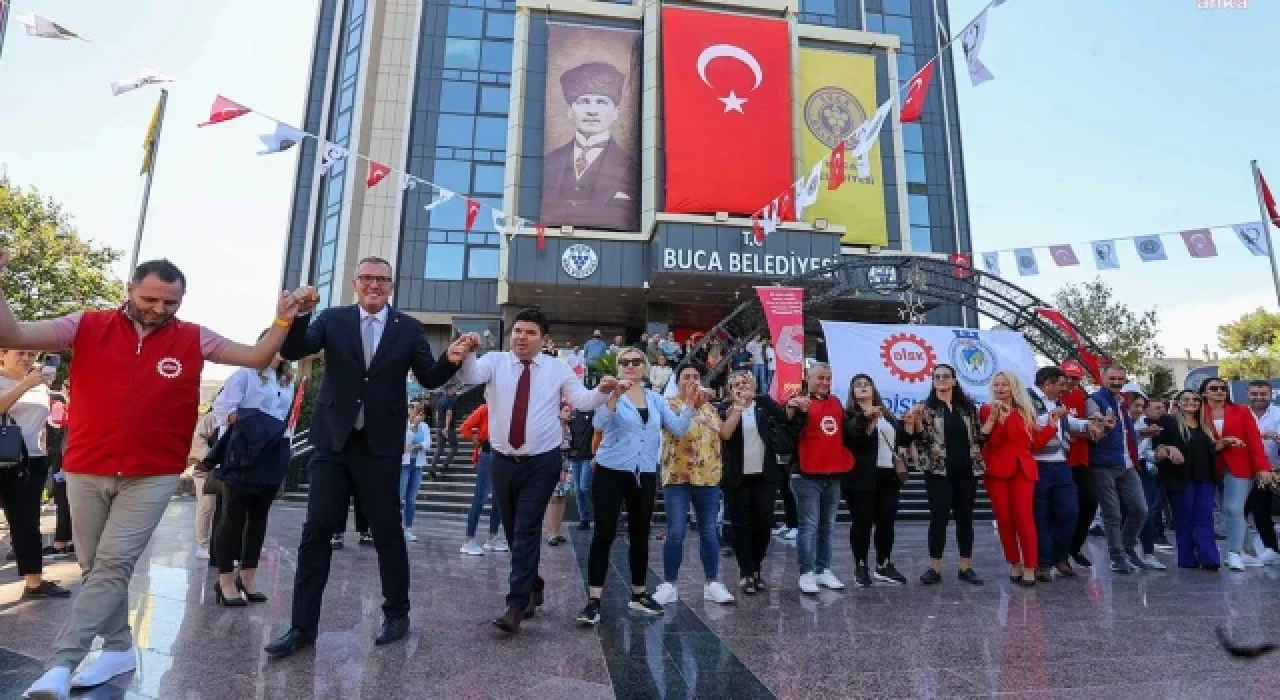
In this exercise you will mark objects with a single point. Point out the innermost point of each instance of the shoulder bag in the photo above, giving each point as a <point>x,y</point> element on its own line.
<point>13,450</point>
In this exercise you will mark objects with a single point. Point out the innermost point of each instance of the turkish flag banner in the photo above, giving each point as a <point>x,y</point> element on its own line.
<point>473,208</point>
<point>913,104</point>
<point>961,265</point>
<point>377,171</point>
<point>835,173</point>
<point>1199,243</point>
<point>1268,200</point>
<point>726,111</point>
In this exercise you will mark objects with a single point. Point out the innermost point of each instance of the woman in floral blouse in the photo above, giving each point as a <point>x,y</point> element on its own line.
<point>691,469</point>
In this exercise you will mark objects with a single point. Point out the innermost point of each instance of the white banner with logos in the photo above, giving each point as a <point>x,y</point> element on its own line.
<point>901,359</point>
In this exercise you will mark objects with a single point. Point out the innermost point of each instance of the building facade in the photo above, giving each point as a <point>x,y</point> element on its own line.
<point>493,99</point>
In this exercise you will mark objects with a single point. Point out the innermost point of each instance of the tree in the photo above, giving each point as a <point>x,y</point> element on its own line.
<point>1160,382</point>
<point>52,271</point>
<point>1123,334</point>
<point>1253,341</point>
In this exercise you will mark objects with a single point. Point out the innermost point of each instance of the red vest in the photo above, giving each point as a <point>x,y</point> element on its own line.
<point>1078,453</point>
<point>137,401</point>
<point>822,450</point>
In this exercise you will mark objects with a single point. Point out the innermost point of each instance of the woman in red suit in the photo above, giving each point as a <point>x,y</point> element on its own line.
<point>1009,422</point>
<point>1241,460</point>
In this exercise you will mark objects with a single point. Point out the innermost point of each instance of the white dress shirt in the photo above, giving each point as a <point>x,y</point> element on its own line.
<point>549,381</point>
<point>752,444</point>
<point>245,388</point>
<point>1269,422</point>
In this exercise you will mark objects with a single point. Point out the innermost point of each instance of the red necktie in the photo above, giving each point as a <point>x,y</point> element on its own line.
<point>519,410</point>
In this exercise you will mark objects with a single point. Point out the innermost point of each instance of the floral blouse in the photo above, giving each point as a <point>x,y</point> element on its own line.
<point>922,455</point>
<point>695,458</point>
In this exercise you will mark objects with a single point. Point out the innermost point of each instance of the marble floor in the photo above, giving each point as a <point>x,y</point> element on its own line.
<point>1140,636</point>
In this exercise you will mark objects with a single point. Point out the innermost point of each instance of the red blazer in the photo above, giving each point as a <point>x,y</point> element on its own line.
<point>1007,450</point>
<point>1238,422</point>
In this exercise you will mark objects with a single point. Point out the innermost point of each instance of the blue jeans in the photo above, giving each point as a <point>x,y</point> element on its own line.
<point>1193,525</point>
<point>1156,497</point>
<point>1057,505</point>
<point>706,506</point>
<point>484,476</point>
<point>817,500</point>
<point>1235,491</point>
<point>410,480</point>
<point>580,477</point>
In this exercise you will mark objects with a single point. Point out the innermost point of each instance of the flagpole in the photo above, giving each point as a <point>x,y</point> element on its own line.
<point>146,187</point>
<point>946,127</point>
<point>1266,228</point>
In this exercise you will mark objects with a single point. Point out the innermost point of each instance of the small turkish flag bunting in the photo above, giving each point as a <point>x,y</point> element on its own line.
<point>835,176</point>
<point>756,227</point>
<point>786,207</point>
<point>377,171</point>
<point>962,265</point>
<point>473,208</point>
<point>918,88</point>
<point>1200,243</point>
<point>542,237</point>
<point>1064,255</point>
<point>1268,200</point>
<point>224,110</point>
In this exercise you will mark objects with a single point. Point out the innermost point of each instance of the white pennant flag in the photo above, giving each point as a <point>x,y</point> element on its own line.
<point>807,190</point>
<point>868,132</point>
<point>444,196</point>
<point>1254,237</point>
<point>971,42</point>
<point>1104,255</point>
<point>284,138</point>
<point>330,153</point>
<point>991,263</point>
<point>1026,259</point>
<point>519,227</point>
<point>499,221</point>
<point>407,182</point>
<point>45,28</point>
<point>864,167</point>
<point>150,77</point>
<point>772,217</point>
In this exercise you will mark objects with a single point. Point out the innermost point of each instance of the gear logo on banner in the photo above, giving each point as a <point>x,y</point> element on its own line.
<point>908,357</point>
<point>974,360</point>
<point>832,115</point>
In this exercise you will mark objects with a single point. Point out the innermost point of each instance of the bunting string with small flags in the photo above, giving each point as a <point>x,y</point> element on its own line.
<point>150,77</point>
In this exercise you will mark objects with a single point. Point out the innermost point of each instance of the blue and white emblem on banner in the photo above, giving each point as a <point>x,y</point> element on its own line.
<point>974,360</point>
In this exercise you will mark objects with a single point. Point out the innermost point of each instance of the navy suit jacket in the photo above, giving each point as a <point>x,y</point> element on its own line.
<point>381,388</point>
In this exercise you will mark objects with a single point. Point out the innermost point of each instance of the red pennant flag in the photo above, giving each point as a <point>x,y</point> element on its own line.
<point>1268,200</point>
<point>786,207</point>
<point>756,228</point>
<point>542,237</point>
<point>1091,360</point>
<point>377,171</point>
<point>473,208</point>
<point>961,265</point>
<point>224,110</point>
<point>1063,255</point>
<point>918,88</point>
<point>1199,243</point>
<point>835,176</point>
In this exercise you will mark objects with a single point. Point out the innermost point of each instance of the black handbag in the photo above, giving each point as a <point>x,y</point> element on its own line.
<point>13,449</point>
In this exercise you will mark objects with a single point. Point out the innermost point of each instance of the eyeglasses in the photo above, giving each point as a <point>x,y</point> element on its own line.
<point>373,279</point>
<point>631,362</point>
<point>1189,399</point>
<point>1215,387</point>
<point>862,385</point>
<point>941,377</point>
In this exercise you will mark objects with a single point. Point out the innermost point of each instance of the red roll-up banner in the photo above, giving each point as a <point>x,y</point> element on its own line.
<point>784,310</point>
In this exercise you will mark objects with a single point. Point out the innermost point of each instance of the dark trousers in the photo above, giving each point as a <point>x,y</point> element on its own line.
<point>219,500</point>
<point>20,489</point>
<point>451,439</point>
<point>362,523</point>
<point>243,526</point>
<point>950,498</point>
<point>1087,500</point>
<point>1057,512</point>
<point>1193,525</point>
<point>875,508</point>
<point>1259,504</point>
<point>609,490</point>
<point>522,490</point>
<point>791,517</point>
<point>749,505</point>
<point>62,531</point>
<point>376,482</point>
<point>1156,497</point>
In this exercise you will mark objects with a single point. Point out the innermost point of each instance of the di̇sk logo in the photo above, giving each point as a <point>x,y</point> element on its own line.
<point>732,103</point>
<point>908,357</point>
<point>829,425</point>
<point>169,368</point>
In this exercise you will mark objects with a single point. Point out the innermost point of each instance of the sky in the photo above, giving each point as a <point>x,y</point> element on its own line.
<point>1106,119</point>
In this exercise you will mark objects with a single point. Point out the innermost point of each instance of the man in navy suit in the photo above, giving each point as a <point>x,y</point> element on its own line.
<point>358,433</point>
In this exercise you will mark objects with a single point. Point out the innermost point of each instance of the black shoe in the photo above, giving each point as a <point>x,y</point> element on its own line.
<point>52,552</point>
<point>1209,567</point>
<point>1081,560</point>
<point>251,597</point>
<point>1097,531</point>
<point>1044,575</point>
<point>590,615</point>
<point>748,586</point>
<point>887,573</point>
<point>969,576</point>
<point>1027,582</point>
<point>288,643</point>
<point>46,589</point>
<point>535,602</point>
<point>223,600</point>
<point>393,630</point>
<point>1065,571</point>
<point>760,585</point>
<point>930,577</point>
<point>584,525</point>
<point>644,603</point>
<point>510,622</point>
<point>336,543</point>
<point>11,556</point>
<point>366,540</point>
<point>862,576</point>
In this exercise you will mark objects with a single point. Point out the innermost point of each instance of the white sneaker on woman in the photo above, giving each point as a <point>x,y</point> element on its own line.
<point>409,536</point>
<point>55,684</point>
<point>472,548</point>
<point>497,543</point>
<point>809,583</point>
<point>666,594</point>
<point>717,593</point>
<point>828,579</point>
<point>1234,562</point>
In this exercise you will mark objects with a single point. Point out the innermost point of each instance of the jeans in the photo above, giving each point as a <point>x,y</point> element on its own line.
<point>1193,525</point>
<point>484,477</point>
<point>1235,492</point>
<point>410,482</point>
<point>1156,497</point>
<point>1056,512</point>
<point>580,477</point>
<point>706,506</point>
<point>1124,508</point>
<point>817,500</point>
<point>757,371</point>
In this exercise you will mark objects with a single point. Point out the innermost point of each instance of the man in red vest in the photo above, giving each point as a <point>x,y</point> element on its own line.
<point>137,377</point>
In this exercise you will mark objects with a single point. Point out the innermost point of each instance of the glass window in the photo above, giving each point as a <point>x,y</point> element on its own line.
<point>342,127</point>
<point>897,7</point>
<point>459,237</point>
<point>457,97</point>
<point>350,63</point>
<point>501,25</point>
<point>455,130</point>
<point>496,56</point>
<point>912,138</point>
<point>484,222</point>
<point>477,238</point>
<point>900,26</point>
<point>330,229</point>
<point>918,209</point>
<point>495,239</point>
<point>482,263</point>
<point>463,54</point>
<point>921,240</point>
<point>346,98</point>
<point>464,22</point>
<point>907,66</point>
<point>437,236</point>
<point>915,167</point>
<point>326,256</point>
<point>334,192</point>
<point>444,261</point>
<point>489,179</point>
<point>323,290</point>
<point>454,174</point>
<point>875,22</point>
<point>491,132</point>
<point>822,7</point>
<point>495,99</point>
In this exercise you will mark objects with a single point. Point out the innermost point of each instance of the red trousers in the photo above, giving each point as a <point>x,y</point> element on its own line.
<point>1013,501</point>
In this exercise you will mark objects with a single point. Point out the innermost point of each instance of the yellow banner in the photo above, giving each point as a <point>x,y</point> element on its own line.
<point>148,143</point>
<point>838,92</point>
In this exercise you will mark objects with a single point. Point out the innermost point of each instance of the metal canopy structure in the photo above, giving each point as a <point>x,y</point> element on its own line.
<point>915,284</point>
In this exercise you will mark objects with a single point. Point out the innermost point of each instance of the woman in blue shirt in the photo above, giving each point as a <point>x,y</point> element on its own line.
<point>632,422</point>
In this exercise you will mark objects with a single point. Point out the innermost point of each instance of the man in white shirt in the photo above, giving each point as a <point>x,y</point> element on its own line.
<point>524,389</point>
<point>1260,499</point>
<point>1057,503</point>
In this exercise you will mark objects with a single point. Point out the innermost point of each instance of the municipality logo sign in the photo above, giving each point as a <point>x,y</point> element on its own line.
<point>579,261</point>
<point>974,360</point>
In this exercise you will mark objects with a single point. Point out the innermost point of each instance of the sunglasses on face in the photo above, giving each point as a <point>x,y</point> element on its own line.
<point>631,362</point>
<point>862,385</point>
<point>1215,387</point>
<point>943,377</point>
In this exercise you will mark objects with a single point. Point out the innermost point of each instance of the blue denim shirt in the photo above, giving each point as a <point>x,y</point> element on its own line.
<point>633,446</point>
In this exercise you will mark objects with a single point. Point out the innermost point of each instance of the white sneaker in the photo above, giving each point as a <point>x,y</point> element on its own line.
<point>828,579</point>
<point>791,534</point>
<point>472,548</point>
<point>1154,564</point>
<point>717,593</point>
<point>779,530</point>
<point>1234,562</point>
<point>809,583</point>
<point>497,543</point>
<point>1269,557</point>
<point>202,553</point>
<point>55,684</point>
<point>108,665</point>
<point>1250,561</point>
<point>666,594</point>
<point>409,536</point>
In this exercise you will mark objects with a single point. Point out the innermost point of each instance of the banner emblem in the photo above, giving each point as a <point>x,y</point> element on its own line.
<point>908,357</point>
<point>974,360</point>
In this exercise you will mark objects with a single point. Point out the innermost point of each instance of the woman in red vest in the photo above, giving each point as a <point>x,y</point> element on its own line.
<point>1009,421</point>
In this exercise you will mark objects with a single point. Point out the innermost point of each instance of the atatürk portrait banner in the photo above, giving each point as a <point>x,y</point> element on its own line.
<point>591,149</point>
